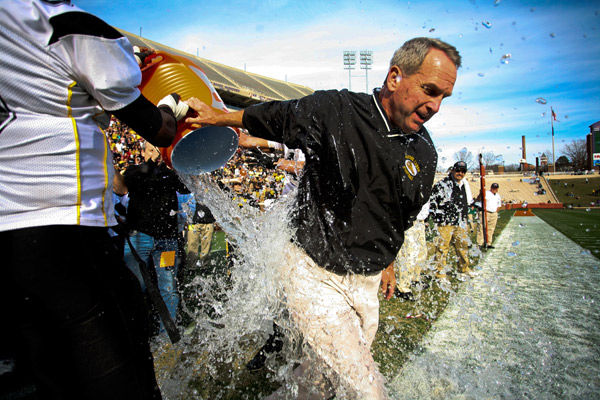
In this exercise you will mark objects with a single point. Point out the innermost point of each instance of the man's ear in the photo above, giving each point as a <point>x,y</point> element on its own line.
<point>394,77</point>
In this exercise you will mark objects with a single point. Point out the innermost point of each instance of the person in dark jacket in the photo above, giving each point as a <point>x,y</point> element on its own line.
<point>152,219</point>
<point>449,208</point>
<point>369,169</point>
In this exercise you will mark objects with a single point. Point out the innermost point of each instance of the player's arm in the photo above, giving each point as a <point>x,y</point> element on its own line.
<point>205,115</point>
<point>157,125</point>
<point>112,79</point>
<point>290,166</point>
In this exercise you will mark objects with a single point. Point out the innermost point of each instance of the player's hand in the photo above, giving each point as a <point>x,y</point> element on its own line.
<point>203,113</point>
<point>141,53</point>
<point>174,103</point>
<point>388,281</point>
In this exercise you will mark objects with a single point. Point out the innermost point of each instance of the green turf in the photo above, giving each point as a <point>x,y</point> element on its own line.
<point>218,241</point>
<point>575,191</point>
<point>580,225</point>
<point>402,325</point>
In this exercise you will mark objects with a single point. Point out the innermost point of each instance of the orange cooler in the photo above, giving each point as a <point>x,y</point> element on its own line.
<point>168,73</point>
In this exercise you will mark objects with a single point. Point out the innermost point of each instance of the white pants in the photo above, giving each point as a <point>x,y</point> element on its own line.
<point>338,317</point>
<point>412,257</point>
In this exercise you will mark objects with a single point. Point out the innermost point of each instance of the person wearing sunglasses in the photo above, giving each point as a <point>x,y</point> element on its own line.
<point>450,201</point>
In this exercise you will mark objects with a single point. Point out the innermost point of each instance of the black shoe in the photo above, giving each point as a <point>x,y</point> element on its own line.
<point>404,295</point>
<point>258,362</point>
<point>489,246</point>
<point>274,344</point>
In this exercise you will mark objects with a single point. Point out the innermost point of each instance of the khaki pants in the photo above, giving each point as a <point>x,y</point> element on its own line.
<point>198,238</point>
<point>338,317</point>
<point>412,257</point>
<point>492,218</point>
<point>457,236</point>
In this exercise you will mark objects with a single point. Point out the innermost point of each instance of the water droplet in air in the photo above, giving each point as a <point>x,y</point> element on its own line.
<point>505,58</point>
<point>541,100</point>
<point>515,244</point>
<point>496,2</point>
<point>481,74</point>
<point>553,35</point>
<point>511,254</point>
<point>491,51</point>
<point>460,35</point>
<point>432,29</point>
<point>487,24</point>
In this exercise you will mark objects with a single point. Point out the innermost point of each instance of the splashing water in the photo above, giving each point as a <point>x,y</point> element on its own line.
<point>234,310</point>
<point>541,100</point>
<point>505,59</point>
<point>487,24</point>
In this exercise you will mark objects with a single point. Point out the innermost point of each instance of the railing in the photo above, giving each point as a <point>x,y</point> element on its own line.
<point>554,196</point>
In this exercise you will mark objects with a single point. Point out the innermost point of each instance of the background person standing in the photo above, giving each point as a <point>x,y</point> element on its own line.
<point>493,202</point>
<point>449,207</point>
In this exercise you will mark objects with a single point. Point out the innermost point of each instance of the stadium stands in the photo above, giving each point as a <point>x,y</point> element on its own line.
<point>236,87</point>
<point>514,188</point>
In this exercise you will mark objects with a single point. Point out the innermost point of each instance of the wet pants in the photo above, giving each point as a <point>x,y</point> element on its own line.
<point>338,317</point>
<point>412,257</point>
<point>74,314</point>
<point>492,219</point>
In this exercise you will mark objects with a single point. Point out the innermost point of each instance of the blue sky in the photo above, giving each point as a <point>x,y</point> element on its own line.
<point>554,49</point>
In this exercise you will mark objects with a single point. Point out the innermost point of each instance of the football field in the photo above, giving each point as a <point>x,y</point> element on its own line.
<point>582,225</point>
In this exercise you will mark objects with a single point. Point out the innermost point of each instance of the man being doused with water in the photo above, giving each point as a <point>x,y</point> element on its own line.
<point>369,168</point>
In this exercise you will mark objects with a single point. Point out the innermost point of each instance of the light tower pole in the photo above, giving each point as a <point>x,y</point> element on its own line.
<point>349,62</point>
<point>366,60</point>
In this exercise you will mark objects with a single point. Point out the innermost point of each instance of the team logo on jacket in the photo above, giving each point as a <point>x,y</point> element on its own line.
<point>411,167</point>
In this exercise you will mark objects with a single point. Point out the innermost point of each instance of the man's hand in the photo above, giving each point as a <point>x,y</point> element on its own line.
<point>388,281</point>
<point>204,114</point>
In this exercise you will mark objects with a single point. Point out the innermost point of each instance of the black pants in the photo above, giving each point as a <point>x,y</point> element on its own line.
<point>75,314</point>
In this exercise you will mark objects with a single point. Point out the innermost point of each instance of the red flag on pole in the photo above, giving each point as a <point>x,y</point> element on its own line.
<point>553,114</point>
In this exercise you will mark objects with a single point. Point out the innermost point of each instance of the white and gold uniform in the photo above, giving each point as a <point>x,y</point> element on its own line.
<point>55,83</point>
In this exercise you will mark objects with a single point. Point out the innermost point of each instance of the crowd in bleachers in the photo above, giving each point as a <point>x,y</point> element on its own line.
<point>250,173</point>
<point>124,144</point>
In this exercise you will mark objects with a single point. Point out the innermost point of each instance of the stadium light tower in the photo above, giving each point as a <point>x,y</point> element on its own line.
<point>366,60</point>
<point>349,61</point>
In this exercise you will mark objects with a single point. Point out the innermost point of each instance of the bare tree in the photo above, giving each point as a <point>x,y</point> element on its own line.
<point>464,155</point>
<point>490,158</point>
<point>576,152</point>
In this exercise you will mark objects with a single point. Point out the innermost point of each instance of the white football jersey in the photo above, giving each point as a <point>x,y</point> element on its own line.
<point>60,69</point>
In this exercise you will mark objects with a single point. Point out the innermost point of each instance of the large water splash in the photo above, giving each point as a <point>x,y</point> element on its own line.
<point>233,308</point>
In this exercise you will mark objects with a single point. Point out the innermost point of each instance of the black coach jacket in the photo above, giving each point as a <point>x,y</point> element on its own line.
<point>448,204</point>
<point>363,181</point>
